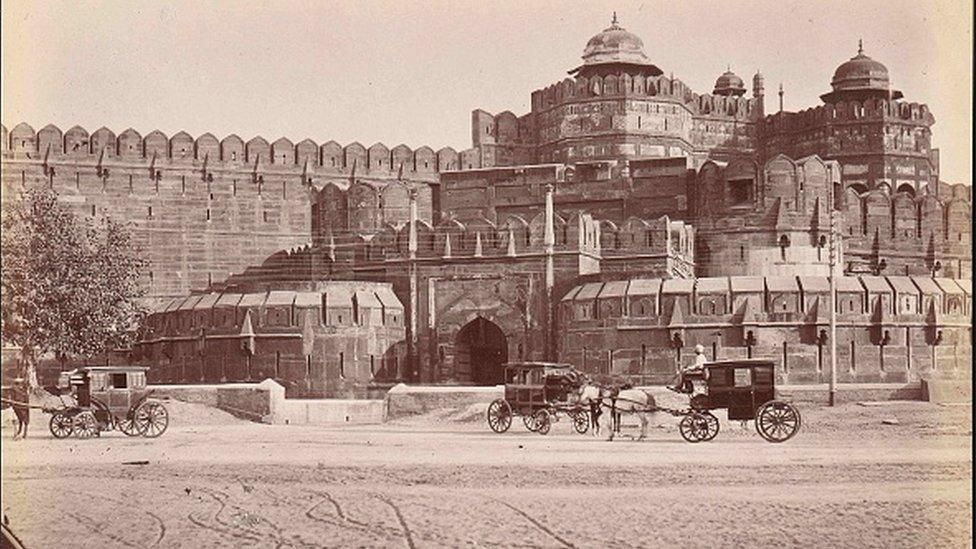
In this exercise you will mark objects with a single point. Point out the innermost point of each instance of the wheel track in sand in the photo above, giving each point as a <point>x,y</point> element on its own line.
<point>159,521</point>
<point>99,528</point>
<point>408,537</point>
<point>538,524</point>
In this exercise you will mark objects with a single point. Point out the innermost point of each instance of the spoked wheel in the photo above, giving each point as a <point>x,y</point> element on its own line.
<point>697,427</point>
<point>581,422</point>
<point>152,419</point>
<point>84,425</point>
<point>777,421</point>
<point>128,426</point>
<point>543,421</point>
<point>499,415</point>
<point>61,425</point>
<point>710,426</point>
<point>530,422</point>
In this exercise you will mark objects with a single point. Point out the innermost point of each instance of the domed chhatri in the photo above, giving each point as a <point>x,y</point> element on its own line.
<point>615,45</point>
<point>729,84</point>
<point>861,76</point>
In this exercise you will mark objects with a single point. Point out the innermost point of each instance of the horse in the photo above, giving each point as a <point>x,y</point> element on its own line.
<point>631,401</point>
<point>20,397</point>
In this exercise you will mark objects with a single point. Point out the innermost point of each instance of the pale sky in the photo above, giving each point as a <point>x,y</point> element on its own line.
<point>412,72</point>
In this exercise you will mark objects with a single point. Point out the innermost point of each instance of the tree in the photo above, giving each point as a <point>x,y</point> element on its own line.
<point>68,287</point>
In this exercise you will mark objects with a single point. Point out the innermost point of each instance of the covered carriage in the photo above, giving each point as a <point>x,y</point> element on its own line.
<point>539,392</point>
<point>746,389</point>
<point>107,398</point>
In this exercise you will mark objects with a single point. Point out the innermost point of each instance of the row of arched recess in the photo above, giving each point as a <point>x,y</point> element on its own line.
<point>906,214</point>
<point>130,144</point>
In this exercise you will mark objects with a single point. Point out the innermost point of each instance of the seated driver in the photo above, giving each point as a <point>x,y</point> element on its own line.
<point>684,385</point>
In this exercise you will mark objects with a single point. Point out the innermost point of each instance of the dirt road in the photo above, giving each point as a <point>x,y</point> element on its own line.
<point>848,480</point>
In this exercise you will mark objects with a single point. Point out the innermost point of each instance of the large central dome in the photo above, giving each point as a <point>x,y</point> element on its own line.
<point>614,45</point>
<point>860,75</point>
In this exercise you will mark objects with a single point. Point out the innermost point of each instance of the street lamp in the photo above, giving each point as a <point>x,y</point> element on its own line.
<point>832,262</point>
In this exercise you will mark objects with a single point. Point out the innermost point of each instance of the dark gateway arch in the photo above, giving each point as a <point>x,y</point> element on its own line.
<point>480,351</point>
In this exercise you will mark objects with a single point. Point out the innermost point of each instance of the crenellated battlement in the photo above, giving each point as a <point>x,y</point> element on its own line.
<point>513,238</point>
<point>103,147</point>
<point>849,111</point>
<point>625,85</point>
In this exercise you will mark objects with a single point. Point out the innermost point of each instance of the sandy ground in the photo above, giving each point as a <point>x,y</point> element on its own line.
<point>444,480</point>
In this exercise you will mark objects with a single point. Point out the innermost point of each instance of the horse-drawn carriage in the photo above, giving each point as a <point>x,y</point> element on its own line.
<point>746,389</point>
<point>106,398</point>
<point>539,392</point>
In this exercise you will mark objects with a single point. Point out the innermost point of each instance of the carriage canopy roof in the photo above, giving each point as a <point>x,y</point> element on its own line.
<point>742,363</point>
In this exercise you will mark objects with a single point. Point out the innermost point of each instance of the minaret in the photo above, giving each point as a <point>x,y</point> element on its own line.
<point>759,92</point>
<point>781,97</point>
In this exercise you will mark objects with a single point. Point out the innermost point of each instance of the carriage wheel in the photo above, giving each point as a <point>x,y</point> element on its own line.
<point>128,426</point>
<point>581,422</point>
<point>694,427</point>
<point>709,424</point>
<point>151,419</point>
<point>530,422</point>
<point>543,421</point>
<point>499,415</point>
<point>61,425</point>
<point>777,421</point>
<point>84,425</point>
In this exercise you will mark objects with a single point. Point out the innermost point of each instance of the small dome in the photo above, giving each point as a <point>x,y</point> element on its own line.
<point>729,84</point>
<point>614,45</point>
<point>860,72</point>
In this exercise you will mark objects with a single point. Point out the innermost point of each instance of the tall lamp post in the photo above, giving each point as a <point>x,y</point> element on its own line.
<point>832,262</point>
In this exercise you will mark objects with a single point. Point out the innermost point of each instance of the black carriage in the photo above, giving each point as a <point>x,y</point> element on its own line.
<point>746,389</point>
<point>107,398</point>
<point>539,392</point>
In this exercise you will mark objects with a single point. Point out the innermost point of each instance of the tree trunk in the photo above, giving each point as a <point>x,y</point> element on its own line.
<point>29,366</point>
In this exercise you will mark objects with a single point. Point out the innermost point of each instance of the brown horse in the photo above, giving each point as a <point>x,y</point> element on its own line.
<point>20,397</point>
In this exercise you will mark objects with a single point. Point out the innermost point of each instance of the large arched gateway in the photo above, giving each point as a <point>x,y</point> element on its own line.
<point>479,353</point>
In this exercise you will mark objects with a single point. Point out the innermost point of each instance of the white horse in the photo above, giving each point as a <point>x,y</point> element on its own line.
<point>631,401</point>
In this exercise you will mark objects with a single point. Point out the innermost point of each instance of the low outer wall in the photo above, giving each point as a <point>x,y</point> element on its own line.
<point>265,402</point>
<point>947,391</point>
<point>251,401</point>
<point>328,412</point>
<point>403,400</point>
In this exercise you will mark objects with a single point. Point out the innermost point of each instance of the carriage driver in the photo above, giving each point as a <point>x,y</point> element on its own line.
<point>684,385</point>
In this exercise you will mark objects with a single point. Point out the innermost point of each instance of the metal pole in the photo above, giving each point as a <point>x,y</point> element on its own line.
<point>833,287</point>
